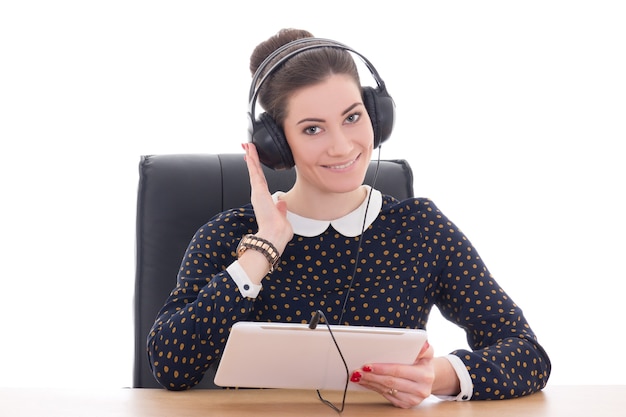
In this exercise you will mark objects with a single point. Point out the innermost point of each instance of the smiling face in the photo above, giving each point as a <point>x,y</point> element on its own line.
<point>330,135</point>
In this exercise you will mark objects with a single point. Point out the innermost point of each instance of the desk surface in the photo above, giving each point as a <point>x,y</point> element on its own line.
<point>554,401</point>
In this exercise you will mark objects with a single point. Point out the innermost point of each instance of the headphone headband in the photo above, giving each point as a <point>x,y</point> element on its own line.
<point>256,84</point>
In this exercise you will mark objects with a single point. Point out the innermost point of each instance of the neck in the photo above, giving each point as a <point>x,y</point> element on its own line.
<point>319,205</point>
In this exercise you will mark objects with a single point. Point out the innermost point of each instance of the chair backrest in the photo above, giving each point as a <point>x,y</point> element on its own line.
<point>179,193</point>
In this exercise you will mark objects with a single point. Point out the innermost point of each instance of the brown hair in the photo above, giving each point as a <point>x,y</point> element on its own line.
<point>304,69</point>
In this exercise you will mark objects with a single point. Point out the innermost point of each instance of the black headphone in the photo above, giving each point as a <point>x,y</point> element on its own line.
<point>269,138</point>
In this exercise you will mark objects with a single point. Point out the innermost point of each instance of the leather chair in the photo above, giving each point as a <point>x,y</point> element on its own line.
<point>179,193</point>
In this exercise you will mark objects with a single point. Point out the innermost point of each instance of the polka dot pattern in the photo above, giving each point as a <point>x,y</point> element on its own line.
<point>412,258</point>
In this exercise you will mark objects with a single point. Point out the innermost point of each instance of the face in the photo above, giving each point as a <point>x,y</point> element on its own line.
<point>330,135</point>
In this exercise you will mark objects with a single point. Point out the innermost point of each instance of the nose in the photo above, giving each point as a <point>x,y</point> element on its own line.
<point>340,143</point>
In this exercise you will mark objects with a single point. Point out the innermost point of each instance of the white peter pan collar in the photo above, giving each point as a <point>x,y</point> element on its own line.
<point>350,225</point>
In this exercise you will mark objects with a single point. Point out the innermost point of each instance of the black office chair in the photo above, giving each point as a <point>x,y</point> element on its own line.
<point>179,193</point>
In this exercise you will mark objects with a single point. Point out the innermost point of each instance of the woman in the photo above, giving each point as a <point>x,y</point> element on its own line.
<point>292,253</point>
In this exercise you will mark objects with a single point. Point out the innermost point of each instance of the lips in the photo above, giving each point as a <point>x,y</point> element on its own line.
<point>343,166</point>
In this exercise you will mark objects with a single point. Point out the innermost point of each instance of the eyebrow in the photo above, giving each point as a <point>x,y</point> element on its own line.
<point>346,111</point>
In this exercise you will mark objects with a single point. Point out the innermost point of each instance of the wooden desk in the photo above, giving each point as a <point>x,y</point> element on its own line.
<point>554,401</point>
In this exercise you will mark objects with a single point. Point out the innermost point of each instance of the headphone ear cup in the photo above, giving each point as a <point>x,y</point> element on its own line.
<point>270,143</point>
<point>381,109</point>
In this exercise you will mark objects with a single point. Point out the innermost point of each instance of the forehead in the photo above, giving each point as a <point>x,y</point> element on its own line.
<point>336,93</point>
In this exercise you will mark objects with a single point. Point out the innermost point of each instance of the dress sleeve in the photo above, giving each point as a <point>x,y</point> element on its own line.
<point>192,327</point>
<point>505,359</point>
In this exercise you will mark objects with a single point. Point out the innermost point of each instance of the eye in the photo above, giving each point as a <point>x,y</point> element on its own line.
<point>312,130</point>
<point>353,118</point>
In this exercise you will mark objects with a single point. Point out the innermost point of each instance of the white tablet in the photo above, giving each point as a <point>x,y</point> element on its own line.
<point>283,355</point>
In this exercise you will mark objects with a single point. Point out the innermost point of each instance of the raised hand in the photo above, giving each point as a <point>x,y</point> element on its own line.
<point>271,216</point>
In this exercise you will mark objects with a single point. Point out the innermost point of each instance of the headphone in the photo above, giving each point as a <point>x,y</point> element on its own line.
<point>269,138</point>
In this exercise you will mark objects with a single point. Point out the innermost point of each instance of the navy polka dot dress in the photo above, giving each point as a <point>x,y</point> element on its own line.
<point>411,258</point>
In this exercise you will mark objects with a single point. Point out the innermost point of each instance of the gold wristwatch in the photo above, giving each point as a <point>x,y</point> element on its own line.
<point>261,245</point>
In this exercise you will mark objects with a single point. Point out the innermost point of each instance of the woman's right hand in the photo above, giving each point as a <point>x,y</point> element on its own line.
<point>271,216</point>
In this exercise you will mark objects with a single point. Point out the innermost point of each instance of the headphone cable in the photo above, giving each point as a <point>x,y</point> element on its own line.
<point>358,250</point>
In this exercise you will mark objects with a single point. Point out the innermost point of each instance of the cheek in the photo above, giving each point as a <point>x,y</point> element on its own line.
<point>365,135</point>
<point>305,151</point>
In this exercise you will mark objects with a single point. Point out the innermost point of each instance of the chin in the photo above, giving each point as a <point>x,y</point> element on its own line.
<point>345,183</point>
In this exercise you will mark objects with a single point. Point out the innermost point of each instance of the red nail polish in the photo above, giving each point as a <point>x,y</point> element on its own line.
<point>356,376</point>
<point>367,368</point>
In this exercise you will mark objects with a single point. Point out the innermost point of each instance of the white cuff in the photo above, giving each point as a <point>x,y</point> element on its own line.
<point>467,387</point>
<point>246,287</point>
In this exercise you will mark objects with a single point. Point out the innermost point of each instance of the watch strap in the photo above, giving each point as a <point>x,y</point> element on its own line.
<point>260,245</point>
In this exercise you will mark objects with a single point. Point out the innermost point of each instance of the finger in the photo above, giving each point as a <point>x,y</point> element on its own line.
<point>416,378</point>
<point>395,396</point>
<point>257,177</point>
<point>282,207</point>
<point>427,352</point>
<point>260,196</point>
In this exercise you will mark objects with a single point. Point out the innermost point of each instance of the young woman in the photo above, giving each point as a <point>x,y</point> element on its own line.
<point>289,254</point>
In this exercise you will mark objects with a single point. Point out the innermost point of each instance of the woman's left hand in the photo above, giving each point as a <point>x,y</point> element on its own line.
<point>405,386</point>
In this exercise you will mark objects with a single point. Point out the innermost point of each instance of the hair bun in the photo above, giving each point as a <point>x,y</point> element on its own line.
<point>267,47</point>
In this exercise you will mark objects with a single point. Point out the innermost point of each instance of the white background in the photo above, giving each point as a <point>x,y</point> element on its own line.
<point>512,115</point>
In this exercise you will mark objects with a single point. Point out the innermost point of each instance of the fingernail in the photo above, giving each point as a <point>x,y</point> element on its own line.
<point>367,368</point>
<point>356,376</point>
